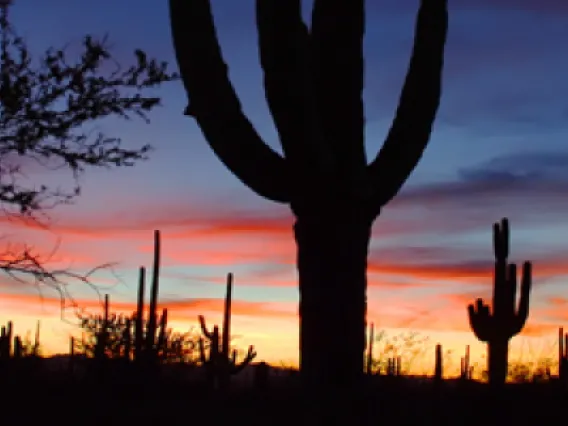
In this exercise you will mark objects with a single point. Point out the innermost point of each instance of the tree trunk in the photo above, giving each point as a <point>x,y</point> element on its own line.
<point>332,264</point>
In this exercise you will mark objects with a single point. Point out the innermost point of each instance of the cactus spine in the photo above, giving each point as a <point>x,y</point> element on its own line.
<point>221,362</point>
<point>504,321</point>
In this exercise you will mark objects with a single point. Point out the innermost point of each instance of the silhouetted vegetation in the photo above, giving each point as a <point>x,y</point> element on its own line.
<point>221,362</point>
<point>45,105</point>
<point>503,321</point>
<point>313,82</point>
<point>130,368</point>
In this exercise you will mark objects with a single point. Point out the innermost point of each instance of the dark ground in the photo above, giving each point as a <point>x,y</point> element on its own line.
<point>56,399</point>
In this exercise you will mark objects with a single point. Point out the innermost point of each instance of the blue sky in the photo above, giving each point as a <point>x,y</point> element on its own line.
<point>498,148</point>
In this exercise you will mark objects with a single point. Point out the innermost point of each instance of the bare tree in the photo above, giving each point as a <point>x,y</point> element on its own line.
<point>45,105</point>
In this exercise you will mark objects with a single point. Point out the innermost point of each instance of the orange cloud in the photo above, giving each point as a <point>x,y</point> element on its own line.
<point>179,310</point>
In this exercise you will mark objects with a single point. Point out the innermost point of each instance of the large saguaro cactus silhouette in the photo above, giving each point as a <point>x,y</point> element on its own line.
<point>313,80</point>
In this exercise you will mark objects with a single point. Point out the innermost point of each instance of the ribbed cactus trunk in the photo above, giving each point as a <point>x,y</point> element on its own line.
<point>313,81</point>
<point>498,361</point>
<point>332,264</point>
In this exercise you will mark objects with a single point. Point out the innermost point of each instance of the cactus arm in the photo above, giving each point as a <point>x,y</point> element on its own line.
<point>203,326</point>
<point>236,368</point>
<point>523,311</point>
<point>284,46</point>
<point>215,106</point>
<point>479,320</point>
<point>162,335</point>
<point>509,290</point>
<point>417,108</point>
<point>337,32</point>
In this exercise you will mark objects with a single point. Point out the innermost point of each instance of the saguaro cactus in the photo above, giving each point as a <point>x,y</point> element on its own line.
<point>438,364</point>
<point>504,321</point>
<point>562,356</point>
<point>148,342</point>
<point>370,343</point>
<point>313,81</point>
<point>465,369</point>
<point>222,362</point>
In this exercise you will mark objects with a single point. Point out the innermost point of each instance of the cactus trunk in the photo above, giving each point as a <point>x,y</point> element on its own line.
<point>498,361</point>
<point>332,301</point>
<point>139,317</point>
<point>439,366</point>
<point>562,356</point>
<point>370,344</point>
<point>150,349</point>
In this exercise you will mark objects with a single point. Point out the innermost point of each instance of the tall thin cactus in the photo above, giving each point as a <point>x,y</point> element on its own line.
<point>103,333</point>
<point>465,368</point>
<point>313,81</point>
<point>148,341</point>
<point>562,356</point>
<point>505,320</point>
<point>36,347</point>
<point>438,364</point>
<point>152,314</point>
<point>221,362</point>
<point>6,340</point>
<point>139,314</point>
<point>370,343</point>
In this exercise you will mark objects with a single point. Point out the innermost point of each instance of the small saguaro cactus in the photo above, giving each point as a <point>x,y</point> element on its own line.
<point>496,327</point>
<point>394,365</point>
<point>370,343</point>
<point>222,362</point>
<point>562,356</point>
<point>465,369</point>
<point>438,365</point>
<point>6,341</point>
<point>149,337</point>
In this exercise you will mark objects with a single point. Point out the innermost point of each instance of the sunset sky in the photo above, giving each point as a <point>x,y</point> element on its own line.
<point>499,148</point>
